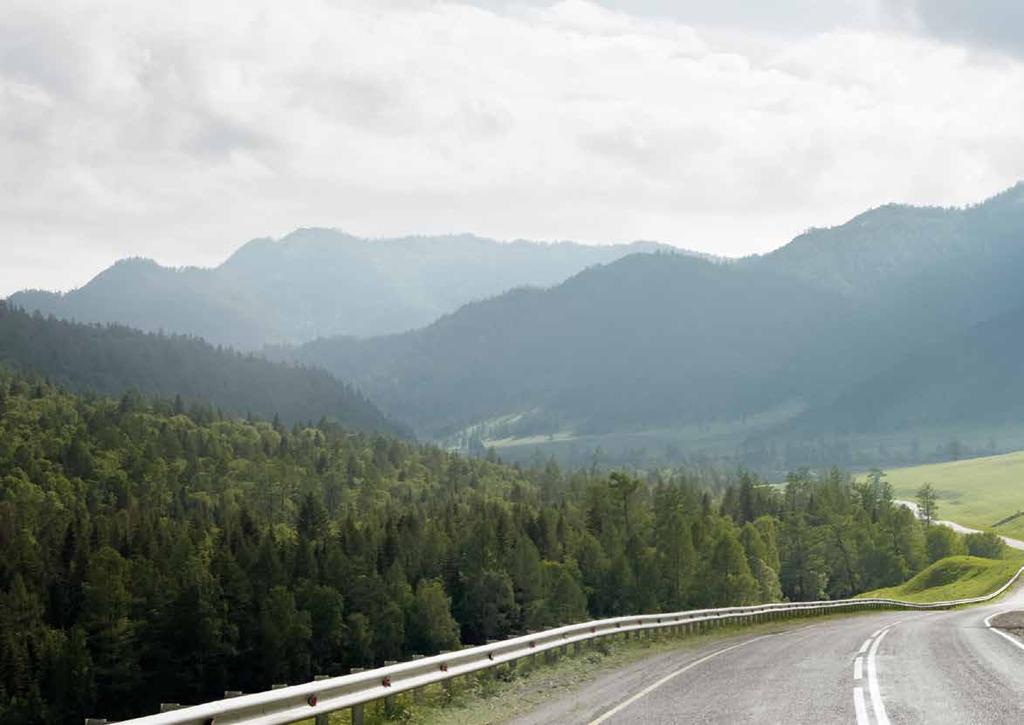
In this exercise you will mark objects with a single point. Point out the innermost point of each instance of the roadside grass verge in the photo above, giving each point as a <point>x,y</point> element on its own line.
<point>955,577</point>
<point>977,492</point>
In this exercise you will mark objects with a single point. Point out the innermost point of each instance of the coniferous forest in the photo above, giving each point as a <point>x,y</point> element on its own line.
<point>154,553</point>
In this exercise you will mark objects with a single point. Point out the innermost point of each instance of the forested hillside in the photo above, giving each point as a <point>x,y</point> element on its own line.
<point>152,555</point>
<point>113,359</point>
<point>318,282</point>
<point>972,378</point>
<point>665,341</point>
<point>653,339</point>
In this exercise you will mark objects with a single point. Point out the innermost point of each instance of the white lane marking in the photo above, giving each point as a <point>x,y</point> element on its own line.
<point>651,688</point>
<point>859,707</point>
<point>858,668</point>
<point>877,705</point>
<point>879,631</point>
<point>1008,637</point>
<point>864,647</point>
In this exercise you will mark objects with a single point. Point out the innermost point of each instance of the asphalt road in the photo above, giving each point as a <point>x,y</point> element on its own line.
<point>899,667</point>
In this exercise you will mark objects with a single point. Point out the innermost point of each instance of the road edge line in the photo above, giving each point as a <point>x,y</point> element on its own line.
<point>651,688</point>
<point>1008,637</point>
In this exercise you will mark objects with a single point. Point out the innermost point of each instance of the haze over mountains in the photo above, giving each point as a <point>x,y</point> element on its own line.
<point>903,319</point>
<point>316,283</point>
<point>659,341</point>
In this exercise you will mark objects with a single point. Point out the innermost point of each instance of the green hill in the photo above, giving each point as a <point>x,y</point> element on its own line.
<point>955,577</point>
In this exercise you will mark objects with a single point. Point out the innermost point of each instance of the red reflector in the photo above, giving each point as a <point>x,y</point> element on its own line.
<point>386,682</point>
<point>311,700</point>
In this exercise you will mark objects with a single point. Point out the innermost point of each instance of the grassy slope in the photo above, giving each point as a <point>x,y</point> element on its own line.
<point>977,492</point>
<point>955,577</point>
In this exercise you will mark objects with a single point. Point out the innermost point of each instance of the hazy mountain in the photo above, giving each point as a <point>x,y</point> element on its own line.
<point>318,282</point>
<point>652,339</point>
<point>661,340</point>
<point>112,359</point>
<point>970,379</point>
<point>905,263</point>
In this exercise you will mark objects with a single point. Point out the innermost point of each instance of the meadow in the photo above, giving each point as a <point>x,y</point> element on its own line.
<point>982,493</point>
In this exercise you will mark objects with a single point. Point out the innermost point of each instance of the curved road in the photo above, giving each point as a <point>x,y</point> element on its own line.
<point>899,667</point>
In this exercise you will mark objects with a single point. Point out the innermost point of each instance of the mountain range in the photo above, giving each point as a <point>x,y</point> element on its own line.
<point>656,341</point>
<point>317,283</point>
<point>903,319</point>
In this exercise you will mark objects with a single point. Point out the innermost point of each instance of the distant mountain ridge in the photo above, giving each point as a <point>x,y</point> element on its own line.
<point>318,283</point>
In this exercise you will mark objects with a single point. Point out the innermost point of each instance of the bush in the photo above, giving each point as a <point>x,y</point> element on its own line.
<point>985,544</point>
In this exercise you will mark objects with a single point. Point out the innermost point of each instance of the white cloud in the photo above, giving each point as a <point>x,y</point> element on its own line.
<point>179,130</point>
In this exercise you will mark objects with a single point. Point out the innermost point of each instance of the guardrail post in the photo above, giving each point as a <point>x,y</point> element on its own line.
<point>95,721</point>
<point>228,694</point>
<point>357,710</point>
<point>389,701</point>
<point>417,694</point>
<point>169,706</point>
<point>323,718</point>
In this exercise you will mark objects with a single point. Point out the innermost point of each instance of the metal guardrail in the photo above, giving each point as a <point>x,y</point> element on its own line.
<point>320,697</point>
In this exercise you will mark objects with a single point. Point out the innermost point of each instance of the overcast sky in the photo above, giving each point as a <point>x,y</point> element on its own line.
<point>180,130</point>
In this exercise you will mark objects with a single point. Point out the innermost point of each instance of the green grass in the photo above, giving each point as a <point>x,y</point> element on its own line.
<point>977,492</point>
<point>955,577</point>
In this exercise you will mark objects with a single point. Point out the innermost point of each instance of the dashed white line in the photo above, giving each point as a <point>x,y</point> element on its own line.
<point>864,647</point>
<point>858,668</point>
<point>877,705</point>
<point>859,707</point>
<point>1009,638</point>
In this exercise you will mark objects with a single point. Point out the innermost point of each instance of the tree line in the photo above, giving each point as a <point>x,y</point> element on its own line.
<point>153,552</point>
